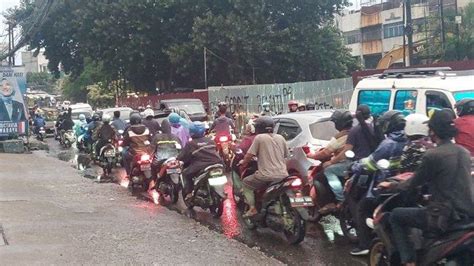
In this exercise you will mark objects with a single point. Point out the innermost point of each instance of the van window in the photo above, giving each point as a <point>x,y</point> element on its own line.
<point>405,101</point>
<point>463,95</point>
<point>436,100</point>
<point>377,100</point>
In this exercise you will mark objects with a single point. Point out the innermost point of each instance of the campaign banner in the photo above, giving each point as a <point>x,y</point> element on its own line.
<point>13,112</point>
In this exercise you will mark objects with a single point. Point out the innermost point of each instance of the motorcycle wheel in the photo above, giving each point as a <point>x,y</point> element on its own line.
<point>218,209</point>
<point>298,232</point>
<point>348,225</point>
<point>378,255</point>
<point>189,204</point>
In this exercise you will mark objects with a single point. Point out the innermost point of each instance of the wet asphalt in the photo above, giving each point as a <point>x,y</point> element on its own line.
<point>316,249</point>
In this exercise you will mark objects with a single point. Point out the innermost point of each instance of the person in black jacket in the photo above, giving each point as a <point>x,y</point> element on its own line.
<point>446,171</point>
<point>198,154</point>
<point>150,122</point>
<point>105,134</point>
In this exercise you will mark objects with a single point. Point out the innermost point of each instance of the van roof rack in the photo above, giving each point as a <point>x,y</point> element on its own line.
<point>423,71</point>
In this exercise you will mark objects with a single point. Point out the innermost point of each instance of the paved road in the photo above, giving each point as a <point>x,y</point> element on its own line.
<point>49,214</point>
<point>315,250</point>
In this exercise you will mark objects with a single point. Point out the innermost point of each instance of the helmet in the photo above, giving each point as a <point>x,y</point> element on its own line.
<point>416,125</point>
<point>135,119</point>
<point>95,117</point>
<point>222,107</point>
<point>106,118</point>
<point>342,119</point>
<point>250,127</point>
<point>82,117</point>
<point>264,124</point>
<point>220,104</point>
<point>148,107</point>
<point>465,107</point>
<point>197,129</point>
<point>391,121</point>
<point>301,107</point>
<point>174,118</point>
<point>293,106</point>
<point>292,102</point>
<point>148,112</point>
<point>310,106</point>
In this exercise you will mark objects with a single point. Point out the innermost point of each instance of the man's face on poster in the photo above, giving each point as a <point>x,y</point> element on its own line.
<point>6,89</point>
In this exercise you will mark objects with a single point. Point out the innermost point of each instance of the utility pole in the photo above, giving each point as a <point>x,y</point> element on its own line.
<point>441,14</point>
<point>409,31</point>
<point>205,68</point>
<point>404,36</point>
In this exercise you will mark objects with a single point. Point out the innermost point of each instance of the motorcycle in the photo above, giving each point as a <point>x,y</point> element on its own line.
<point>107,158</point>
<point>119,148</point>
<point>68,138</point>
<point>41,134</point>
<point>83,141</point>
<point>208,192</point>
<point>454,247</point>
<point>223,144</point>
<point>141,172</point>
<point>282,205</point>
<point>168,169</point>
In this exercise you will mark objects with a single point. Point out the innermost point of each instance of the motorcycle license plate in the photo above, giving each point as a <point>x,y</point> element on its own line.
<point>145,167</point>
<point>301,201</point>
<point>173,171</point>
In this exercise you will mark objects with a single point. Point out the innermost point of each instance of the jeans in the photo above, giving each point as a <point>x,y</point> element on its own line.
<point>332,174</point>
<point>401,220</point>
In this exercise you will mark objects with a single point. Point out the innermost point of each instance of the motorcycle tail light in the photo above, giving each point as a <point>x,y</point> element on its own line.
<point>296,183</point>
<point>145,158</point>
<point>120,142</point>
<point>306,149</point>
<point>223,139</point>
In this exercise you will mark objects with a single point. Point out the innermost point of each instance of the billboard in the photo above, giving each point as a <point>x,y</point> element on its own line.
<point>13,112</point>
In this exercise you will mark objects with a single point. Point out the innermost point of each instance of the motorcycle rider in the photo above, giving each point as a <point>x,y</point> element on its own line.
<point>222,106</point>
<point>301,107</point>
<point>38,122</point>
<point>446,171</point>
<point>222,124</point>
<point>118,123</point>
<point>358,140</point>
<point>79,126</point>
<point>392,124</point>
<point>310,106</point>
<point>292,106</point>
<point>418,142</point>
<point>104,134</point>
<point>178,130</point>
<point>150,122</point>
<point>271,151</point>
<point>136,140</point>
<point>266,110</point>
<point>465,124</point>
<point>247,141</point>
<point>198,154</point>
<point>67,123</point>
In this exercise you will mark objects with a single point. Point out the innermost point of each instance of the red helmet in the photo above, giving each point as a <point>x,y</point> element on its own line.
<point>292,102</point>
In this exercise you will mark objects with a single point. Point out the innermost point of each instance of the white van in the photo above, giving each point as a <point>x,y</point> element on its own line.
<point>415,90</point>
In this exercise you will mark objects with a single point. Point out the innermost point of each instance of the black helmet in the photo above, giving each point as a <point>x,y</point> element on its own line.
<point>310,106</point>
<point>465,107</point>
<point>135,119</point>
<point>391,121</point>
<point>95,117</point>
<point>264,124</point>
<point>342,119</point>
<point>222,107</point>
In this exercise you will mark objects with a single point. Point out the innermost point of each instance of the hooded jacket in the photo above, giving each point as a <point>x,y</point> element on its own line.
<point>137,137</point>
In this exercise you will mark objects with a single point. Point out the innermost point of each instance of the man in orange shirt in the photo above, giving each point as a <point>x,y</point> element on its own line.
<point>465,124</point>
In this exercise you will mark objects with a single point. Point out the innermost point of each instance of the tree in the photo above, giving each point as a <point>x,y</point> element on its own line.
<point>41,81</point>
<point>460,47</point>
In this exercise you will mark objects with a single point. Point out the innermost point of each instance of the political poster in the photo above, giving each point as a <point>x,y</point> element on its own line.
<point>13,112</point>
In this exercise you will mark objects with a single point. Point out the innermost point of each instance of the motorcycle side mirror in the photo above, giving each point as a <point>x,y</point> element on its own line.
<point>383,164</point>
<point>120,132</point>
<point>349,154</point>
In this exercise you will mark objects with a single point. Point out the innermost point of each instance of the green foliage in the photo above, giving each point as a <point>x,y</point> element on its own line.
<point>462,47</point>
<point>41,81</point>
<point>163,40</point>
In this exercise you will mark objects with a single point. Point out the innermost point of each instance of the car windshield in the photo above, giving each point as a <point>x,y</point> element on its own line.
<point>190,108</point>
<point>463,95</point>
<point>75,115</point>
<point>323,130</point>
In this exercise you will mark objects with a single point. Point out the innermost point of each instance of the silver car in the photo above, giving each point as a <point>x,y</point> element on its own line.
<point>304,131</point>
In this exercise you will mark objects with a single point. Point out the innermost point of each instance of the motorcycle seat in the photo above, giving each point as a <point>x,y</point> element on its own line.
<point>212,166</point>
<point>468,225</point>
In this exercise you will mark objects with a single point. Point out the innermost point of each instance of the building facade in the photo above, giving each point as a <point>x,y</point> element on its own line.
<point>34,64</point>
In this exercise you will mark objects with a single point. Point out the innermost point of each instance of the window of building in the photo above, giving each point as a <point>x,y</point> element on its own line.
<point>405,101</point>
<point>352,37</point>
<point>371,34</point>
<point>393,30</point>
<point>377,100</point>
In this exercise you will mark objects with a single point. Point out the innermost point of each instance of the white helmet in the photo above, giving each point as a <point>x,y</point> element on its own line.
<point>415,125</point>
<point>148,112</point>
<point>106,118</point>
<point>251,126</point>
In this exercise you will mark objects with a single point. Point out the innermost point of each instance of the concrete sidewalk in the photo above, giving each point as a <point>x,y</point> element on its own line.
<point>50,214</point>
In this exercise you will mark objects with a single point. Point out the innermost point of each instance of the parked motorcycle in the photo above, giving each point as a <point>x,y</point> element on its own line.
<point>107,158</point>
<point>68,138</point>
<point>282,206</point>
<point>208,192</point>
<point>454,247</point>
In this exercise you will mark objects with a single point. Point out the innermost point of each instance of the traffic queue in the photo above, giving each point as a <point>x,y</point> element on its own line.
<point>388,179</point>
